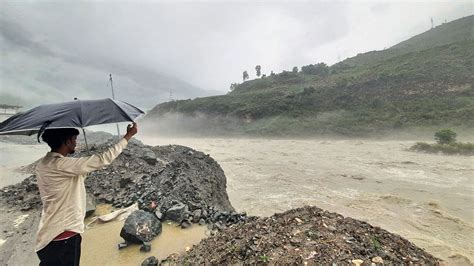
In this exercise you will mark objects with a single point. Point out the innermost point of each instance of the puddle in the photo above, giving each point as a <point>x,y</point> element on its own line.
<point>99,243</point>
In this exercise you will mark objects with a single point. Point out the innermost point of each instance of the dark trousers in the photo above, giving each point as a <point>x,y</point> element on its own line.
<point>61,253</point>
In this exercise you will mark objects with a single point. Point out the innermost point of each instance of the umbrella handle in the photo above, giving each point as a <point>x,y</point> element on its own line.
<point>42,129</point>
<point>85,138</point>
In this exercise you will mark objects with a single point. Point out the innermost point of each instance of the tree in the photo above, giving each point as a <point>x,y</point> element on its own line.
<point>245,75</point>
<point>445,136</point>
<point>319,69</point>
<point>258,68</point>
<point>295,69</point>
<point>272,74</point>
<point>233,86</point>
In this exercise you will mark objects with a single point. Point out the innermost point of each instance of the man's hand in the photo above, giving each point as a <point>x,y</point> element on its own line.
<point>131,131</point>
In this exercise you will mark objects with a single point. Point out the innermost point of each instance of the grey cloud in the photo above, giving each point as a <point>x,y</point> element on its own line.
<point>191,49</point>
<point>16,37</point>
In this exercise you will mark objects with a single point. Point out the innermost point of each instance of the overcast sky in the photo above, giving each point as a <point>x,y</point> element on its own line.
<point>58,50</point>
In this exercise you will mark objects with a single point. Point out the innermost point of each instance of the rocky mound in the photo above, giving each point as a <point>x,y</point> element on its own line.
<point>174,182</point>
<point>304,235</point>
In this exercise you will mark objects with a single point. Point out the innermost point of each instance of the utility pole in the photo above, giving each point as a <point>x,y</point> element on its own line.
<point>113,97</point>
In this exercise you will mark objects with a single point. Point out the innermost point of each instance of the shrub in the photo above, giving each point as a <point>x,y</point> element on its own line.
<point>319,69</point>
<point>445,136</point>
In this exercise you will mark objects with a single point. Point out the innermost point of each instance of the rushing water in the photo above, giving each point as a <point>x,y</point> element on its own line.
<point>426,198</point>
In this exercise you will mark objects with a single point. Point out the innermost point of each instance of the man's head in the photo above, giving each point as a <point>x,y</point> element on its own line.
<point>61,139</point>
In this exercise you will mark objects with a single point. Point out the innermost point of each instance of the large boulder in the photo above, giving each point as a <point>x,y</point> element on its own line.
<point>176,213</point>
<point>140,226</point>
<point>149,156</point>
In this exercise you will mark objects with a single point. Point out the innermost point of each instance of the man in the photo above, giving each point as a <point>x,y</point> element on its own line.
<point>63,194</point>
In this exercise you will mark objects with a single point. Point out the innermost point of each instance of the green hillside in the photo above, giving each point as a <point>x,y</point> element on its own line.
<point>447,33</point>
<point>427,80</point>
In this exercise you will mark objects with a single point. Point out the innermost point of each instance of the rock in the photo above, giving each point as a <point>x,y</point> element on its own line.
<point>298,220</point>
<point>331,228</point>
<point>145,247</point>
<point>202,222</point>
<point>197,215</point>
<point>176,213</point>
<point>149,156</point>
<point>158,214</point>
<point>122,245</point>
<point>377,260</point>
<point>216,216</point>
<point>150,261</point>
<point>124,181</point>
<point>185,224</point>
<point>90,204</point>
<point>295,241</point>
<point>140,226</point>
<point>357,262</point>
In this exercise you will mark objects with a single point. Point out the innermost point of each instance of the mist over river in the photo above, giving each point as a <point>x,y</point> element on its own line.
<point>426,198</point>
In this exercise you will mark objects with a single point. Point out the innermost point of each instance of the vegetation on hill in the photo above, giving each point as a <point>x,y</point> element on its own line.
<point>370,93</point>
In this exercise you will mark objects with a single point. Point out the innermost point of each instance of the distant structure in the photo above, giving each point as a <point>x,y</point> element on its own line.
<point>8,110</point>
<point>171,96</point>
<point>432,23</point>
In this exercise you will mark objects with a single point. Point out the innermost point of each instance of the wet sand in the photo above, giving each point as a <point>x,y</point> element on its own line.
<point>426,198</point>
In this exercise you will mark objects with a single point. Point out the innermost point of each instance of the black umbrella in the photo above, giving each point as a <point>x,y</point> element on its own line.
<point>78,113</point>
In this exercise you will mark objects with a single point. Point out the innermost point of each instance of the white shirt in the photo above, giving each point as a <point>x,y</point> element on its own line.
<point>62,191</point>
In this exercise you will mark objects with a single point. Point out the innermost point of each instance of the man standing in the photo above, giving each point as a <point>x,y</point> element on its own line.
<point>63,194</point>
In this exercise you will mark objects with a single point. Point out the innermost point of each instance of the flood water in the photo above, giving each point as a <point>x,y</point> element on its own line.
<point>15,156</point>
<point>426,198</point>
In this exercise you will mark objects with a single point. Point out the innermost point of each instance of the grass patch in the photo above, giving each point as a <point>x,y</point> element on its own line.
<point>451,148</point>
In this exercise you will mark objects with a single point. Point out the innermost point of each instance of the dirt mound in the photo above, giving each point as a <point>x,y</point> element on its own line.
<point>158,178</point>
<point>304,235</point>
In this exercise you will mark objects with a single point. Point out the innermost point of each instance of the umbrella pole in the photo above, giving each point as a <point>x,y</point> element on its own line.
<point>85,138</point>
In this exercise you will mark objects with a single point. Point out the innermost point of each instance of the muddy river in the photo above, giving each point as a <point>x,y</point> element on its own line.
<point>426,198</point>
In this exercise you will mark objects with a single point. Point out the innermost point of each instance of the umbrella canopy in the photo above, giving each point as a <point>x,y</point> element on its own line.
<point>78,113</point>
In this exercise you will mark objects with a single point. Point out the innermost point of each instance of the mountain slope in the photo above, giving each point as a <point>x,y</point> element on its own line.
<point>446,33</point>
<point>361,95</point>
<point>456,31</point>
